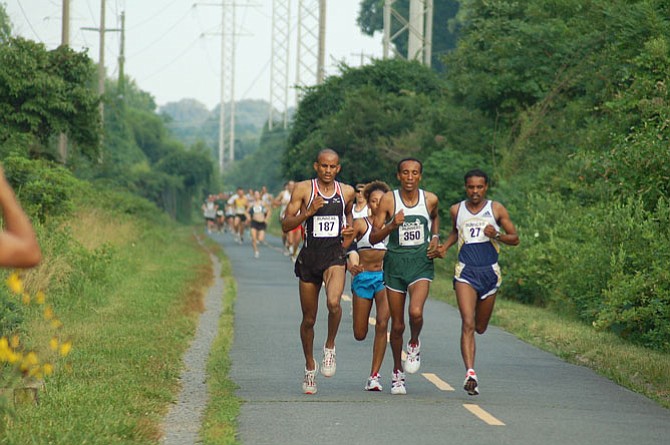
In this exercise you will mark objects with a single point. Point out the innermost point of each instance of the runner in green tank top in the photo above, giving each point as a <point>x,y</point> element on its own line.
<point>409,217</point>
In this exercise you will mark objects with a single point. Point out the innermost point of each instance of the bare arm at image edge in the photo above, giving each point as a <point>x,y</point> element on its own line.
<point>18,242</point>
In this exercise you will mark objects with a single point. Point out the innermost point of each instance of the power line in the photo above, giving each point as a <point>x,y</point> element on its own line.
<point>154,16</point>
<point>174,25</point>
<point>25,16</point>
<point>177,57</point>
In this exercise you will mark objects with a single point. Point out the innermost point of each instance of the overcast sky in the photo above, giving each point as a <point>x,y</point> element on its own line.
<point>173,46</point>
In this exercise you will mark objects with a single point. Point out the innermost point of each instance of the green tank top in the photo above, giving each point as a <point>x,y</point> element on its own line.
<point>414,234</point>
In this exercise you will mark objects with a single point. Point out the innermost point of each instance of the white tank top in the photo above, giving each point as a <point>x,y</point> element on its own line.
<point>364,242</point>
<point>362,213</point>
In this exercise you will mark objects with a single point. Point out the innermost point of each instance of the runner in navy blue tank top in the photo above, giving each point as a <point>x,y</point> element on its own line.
<point>476,227</point>
<point>323,206</point>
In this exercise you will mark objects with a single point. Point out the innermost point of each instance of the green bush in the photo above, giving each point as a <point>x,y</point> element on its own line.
<point>44,189</point>
<point>606,264</point>
<point>636,302</point>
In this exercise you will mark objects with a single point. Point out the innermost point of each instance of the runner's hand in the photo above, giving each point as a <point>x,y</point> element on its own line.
<point>355,270</point>
<point>316,204</point>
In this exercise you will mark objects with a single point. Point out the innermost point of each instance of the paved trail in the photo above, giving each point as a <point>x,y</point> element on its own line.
<point>528,396</point>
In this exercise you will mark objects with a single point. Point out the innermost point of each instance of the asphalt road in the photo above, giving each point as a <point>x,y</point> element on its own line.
<point>527,396</point>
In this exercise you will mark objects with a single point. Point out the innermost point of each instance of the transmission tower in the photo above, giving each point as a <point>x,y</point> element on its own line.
<point>418,26</point>
<point>311,44</point>
<point>227,123</point>
<point>281,30</point>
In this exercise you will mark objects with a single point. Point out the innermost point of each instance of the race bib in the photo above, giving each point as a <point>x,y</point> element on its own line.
<point>411,234</point>
<point>474,231</point>
<point>326,226</point>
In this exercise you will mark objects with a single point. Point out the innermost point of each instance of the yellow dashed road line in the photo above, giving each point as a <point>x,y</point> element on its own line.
<point>438,382</point>
<point>483,415</point>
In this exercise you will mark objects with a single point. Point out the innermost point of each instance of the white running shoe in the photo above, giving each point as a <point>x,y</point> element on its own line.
<point>257,254</point>
<point>413,362</point>
<point>373,383</point>
<point>471,384</point>
<point>309,382</point>
<point>328,364</point>
<point>398,383</point>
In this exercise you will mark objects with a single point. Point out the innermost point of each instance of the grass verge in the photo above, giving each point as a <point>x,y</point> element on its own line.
<point>637,368</point>
<point>129,332</point>
<point>219,425</point>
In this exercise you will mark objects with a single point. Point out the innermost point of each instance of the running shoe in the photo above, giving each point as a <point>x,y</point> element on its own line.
<point>328,364</point>
<point>413,362</point>
<point>398,383</point>
<point>471,384</point>
<point>257,254</point>
<point>373,383</point>
<point>309,382</point>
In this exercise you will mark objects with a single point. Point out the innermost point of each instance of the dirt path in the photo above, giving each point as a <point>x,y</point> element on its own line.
<point>182,423</point>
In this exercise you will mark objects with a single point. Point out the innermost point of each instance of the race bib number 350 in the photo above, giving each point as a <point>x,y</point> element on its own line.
<point>326,226</point>
<point>411,234</point>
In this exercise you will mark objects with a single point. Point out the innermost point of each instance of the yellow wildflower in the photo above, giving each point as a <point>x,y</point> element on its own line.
<point>53,344</point>
<point>15,341</point>
<point>65,348</point>
<point>25,298</point>
<point>29,362</point>
<point>40,297</point>
<point>56,323</point>
<point>15,284</point>
<point>48,369</point>
<point>48,313</point>
<point>14,357</point>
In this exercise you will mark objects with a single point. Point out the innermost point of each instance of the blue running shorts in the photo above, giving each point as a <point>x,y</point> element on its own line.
<point>485,279</point>
<point>367,284</point>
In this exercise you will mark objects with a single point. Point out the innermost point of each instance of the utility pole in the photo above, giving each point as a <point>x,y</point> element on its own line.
<point>363,56</point>
<point>311,44</point>
<point>321,60</point>
<point>65,41</point>
<point>122,58</point>
<point>418,26</point>
<point>65,28</point>
<point>281,30</point>
<point>101,62</point>
<point>101,58</point>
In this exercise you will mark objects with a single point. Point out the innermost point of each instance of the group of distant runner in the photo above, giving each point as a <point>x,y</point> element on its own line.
<point>388,241</point>
<point>239,211</point>
<point>235,212</point>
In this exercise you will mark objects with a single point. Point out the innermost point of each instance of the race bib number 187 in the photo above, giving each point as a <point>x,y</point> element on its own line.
<point>326,226</point>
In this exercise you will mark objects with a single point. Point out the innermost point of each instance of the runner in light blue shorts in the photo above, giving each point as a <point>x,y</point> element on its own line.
<point>367,284</point>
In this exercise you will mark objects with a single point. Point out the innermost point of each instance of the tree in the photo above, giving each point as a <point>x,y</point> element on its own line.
<point>195,170</point>
<point>261,168</point>
<point>44,93</point>
<point>5,25</point>
<point>372,116</point>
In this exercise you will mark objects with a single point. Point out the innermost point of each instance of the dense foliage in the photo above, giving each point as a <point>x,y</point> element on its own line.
<point>579,92</point>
